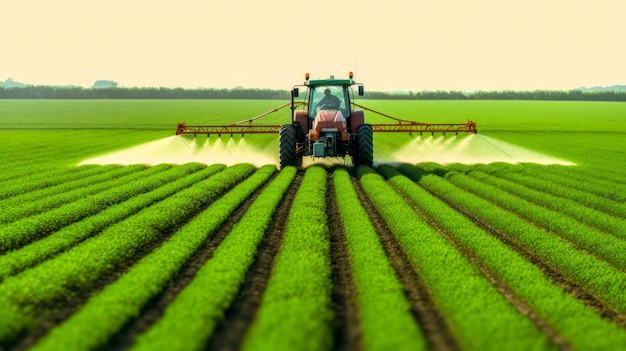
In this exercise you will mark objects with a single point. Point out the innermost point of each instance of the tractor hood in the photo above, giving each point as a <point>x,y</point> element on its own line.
<point>329,120</point>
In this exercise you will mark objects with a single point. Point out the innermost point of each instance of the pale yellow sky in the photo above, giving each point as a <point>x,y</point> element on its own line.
<point>392,45</point>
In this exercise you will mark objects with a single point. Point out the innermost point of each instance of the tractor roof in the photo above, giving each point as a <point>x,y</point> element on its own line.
<point>330,82</point>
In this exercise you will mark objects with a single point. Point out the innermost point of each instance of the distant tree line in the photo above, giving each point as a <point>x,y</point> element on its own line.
<point>52,92</point>
<point>562,95</point>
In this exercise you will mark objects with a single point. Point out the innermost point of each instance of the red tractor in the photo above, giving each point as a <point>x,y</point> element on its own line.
<point>325,124</point>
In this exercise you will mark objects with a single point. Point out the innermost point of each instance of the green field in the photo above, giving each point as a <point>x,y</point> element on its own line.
<point>430,249</point>
<point>569,130</point>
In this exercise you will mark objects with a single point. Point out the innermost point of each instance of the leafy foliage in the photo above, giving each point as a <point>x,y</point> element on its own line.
<point>467,299</point>
<point>385,315</point>
<point>295,313</point>
<point>569,316</point>
<point>150,275</point>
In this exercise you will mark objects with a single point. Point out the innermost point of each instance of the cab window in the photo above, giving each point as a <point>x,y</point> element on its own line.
<point>327,97</point>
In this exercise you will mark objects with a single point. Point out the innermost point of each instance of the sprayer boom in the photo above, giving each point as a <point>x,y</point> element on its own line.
<point>241,127</point>
<point>326,122</point>
<point>401,126</point>
<point>469,127</point>
<point>231,129</point>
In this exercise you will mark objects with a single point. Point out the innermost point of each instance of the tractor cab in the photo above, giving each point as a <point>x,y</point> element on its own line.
<point>325,100</point>
<point>329,97</point>
<point>328,106</point>
<point>324,124</point>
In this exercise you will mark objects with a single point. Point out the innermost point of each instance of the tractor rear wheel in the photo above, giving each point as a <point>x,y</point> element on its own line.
<point>365,143</point>
<point>287,141</point>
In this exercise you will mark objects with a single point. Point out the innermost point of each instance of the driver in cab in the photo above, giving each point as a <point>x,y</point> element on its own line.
<point>329,101</point>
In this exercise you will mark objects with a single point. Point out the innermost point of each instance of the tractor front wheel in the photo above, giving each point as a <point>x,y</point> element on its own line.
<point>365,143</point>
<point>287,141</point>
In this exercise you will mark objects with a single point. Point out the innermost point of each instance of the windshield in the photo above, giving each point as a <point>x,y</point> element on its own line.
<point>328,98</point>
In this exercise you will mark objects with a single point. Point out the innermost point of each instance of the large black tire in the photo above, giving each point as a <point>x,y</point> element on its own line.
<point>365,145</point>
<point>287,141</point>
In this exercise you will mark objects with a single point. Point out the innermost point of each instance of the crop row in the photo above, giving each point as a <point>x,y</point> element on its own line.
<point>34,227</point>
<point>568,316</point>
<point>597,277</point>
<point>386,320</point>
<point>607,182</point>
<point>216,284</point>
<point>52,182</point>
<point>606,246</point>
<point>78,269</point>
<point>594,218</point>
<point>24,183</point>
<point>31,254</point>
<point>93,325</point>
<point>474,303</point>
<point>489,254</point>
<point>594,201</point>
<point>28,204</point>
<point>295,311</point>
<point>563,178</point>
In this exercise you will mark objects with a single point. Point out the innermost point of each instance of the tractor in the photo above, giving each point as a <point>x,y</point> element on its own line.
<point>325,124</point>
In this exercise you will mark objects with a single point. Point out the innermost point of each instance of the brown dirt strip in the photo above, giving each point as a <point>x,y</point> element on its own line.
<point>230,333</point>
<point>155,308</point>
<point>558,278</point>
<point>56,313</point>
<point>493,278</point>
<point>540,226</point>
<point>347,331</point>
<point>434,326</point>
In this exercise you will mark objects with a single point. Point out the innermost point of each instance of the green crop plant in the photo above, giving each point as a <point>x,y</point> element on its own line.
<point>27,205</point>
<point>594,218</point>
<point>595,276</point>
<point>568,316</point>
<point>36,226</point>
<point>216,284</point>
<point>605,246</point>
<point>572,295</point>
<point>78,268</point>
<point>612,189</point>
<point>24,182</point>
<point>384,313</point>
<point>31,254</point>
<point>109,309</point>
<point>466,298</point>
<point>551,184</point>
<point>607,183</point>
<point>295,311</point>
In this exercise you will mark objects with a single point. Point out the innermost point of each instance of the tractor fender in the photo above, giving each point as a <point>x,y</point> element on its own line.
<point>301,116</point>
<point>299,131</point>
<point>356,119</point>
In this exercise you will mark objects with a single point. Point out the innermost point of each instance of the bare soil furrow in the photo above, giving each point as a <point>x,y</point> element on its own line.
<point>497,282</point>
<point>55,313</point>
<point>230,333</point>
<point>154,310</point>
<point>557,277</point>
<point>433,324</point>
<point>347,332</point>
<point>558,233</point>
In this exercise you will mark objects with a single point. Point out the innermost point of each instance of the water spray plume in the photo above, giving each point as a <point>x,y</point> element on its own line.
<point>180,150</point>
<point>471,149</point>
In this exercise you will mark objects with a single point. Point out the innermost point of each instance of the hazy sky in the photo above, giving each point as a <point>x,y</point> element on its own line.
<point>392,45</point>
